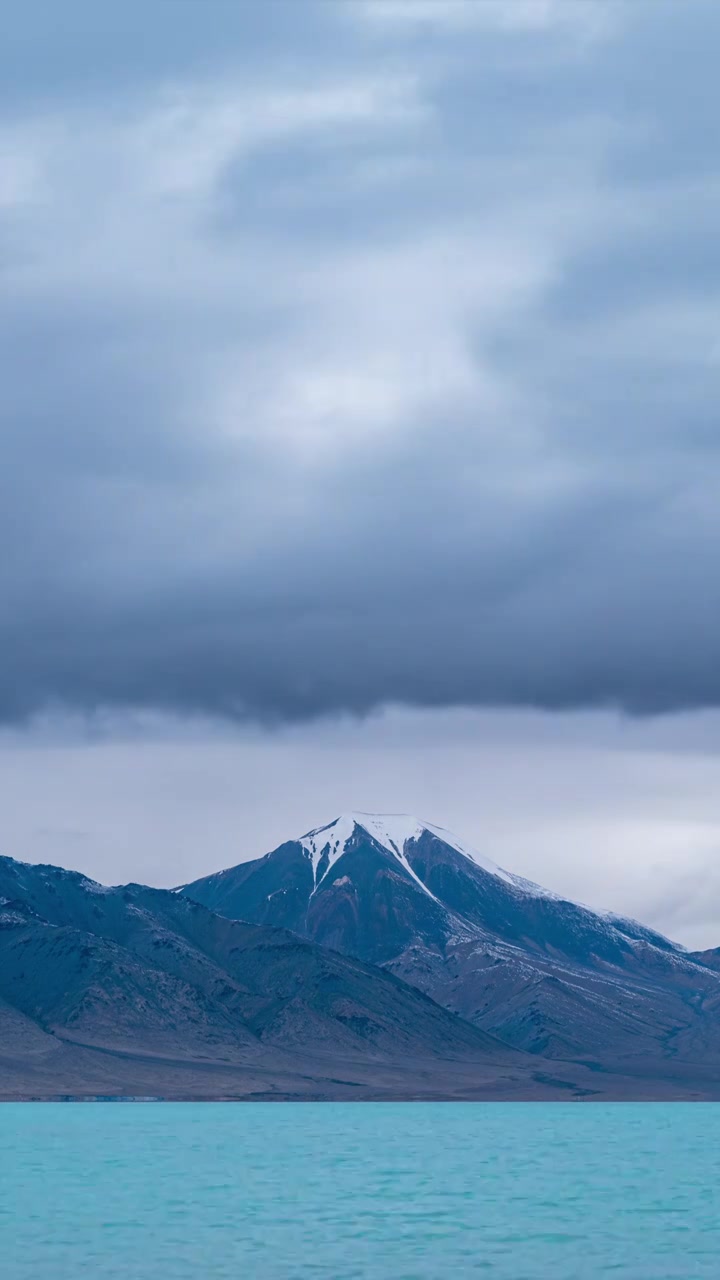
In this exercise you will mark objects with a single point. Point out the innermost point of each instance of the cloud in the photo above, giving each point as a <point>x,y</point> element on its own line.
<point>624,815</point>
<point>386,377</point>
<point>463,15</point>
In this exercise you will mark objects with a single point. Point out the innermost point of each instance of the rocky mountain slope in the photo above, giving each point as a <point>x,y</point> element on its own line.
<point>129,987</point>
<point>139,991</point>
<point>546,975</point>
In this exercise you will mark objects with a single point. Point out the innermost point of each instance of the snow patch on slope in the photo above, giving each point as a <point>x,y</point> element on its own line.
<point>332,838</point>
<point>393,831</point>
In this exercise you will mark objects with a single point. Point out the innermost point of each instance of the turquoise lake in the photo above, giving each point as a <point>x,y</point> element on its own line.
<point>163,1191</point>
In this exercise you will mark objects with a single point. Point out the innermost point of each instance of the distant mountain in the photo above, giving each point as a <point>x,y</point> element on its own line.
<point>139,991</point>
<point>544,974</point>
<point>145,991</point>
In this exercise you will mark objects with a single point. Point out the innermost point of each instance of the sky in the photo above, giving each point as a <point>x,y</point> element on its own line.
<point>360,367</point>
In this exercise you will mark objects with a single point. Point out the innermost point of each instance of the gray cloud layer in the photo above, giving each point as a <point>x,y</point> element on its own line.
<point>373,358</point>
<point>621,814</point>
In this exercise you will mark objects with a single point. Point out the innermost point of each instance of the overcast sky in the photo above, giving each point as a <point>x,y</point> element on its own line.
<point>359,422</point>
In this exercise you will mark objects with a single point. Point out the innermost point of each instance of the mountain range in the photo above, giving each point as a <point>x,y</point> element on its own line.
<point>548,976</point>
<point>375,957</point>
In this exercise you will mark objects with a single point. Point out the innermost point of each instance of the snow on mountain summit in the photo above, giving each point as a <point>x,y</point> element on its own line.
<point>393,832</point>
<point>399,834</point>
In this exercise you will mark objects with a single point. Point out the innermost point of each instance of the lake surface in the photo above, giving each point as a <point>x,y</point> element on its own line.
<point>164,1191</point>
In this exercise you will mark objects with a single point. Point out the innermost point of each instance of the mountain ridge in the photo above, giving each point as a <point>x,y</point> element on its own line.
<point>546,974</point>
<point>140,986</point>
<point>378,957</point>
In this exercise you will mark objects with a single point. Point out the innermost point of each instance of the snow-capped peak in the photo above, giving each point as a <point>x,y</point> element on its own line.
<point>393,831</point>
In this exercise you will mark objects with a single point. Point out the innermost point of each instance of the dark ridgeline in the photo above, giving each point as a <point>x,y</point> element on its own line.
<point>544,974</point>
<point>97,982</point>
<point>374,958</point>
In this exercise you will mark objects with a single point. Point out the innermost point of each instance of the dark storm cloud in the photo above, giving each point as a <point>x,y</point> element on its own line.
<point>344,367</point>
